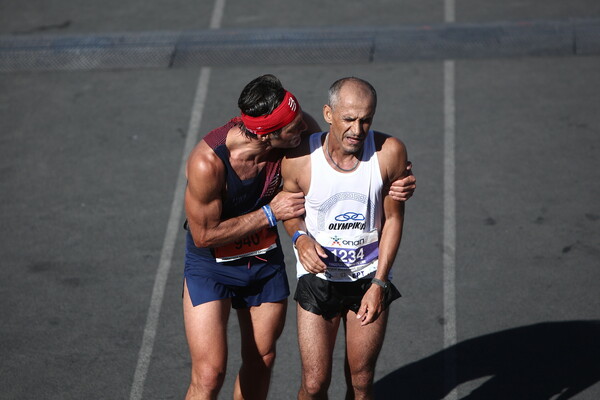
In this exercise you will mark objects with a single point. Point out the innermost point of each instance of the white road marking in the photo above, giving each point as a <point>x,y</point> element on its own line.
<point>449,254</point>
<point>173,225</point>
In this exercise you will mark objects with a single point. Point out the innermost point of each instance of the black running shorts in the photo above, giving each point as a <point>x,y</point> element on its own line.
<point>330,299</point>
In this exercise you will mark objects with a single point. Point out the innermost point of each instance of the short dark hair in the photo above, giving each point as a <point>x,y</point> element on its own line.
<point>260,97</point>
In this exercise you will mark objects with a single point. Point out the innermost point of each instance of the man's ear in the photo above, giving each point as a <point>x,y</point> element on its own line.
<point>327,114</point>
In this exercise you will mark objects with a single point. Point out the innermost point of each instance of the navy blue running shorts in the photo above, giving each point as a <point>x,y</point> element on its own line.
<point>330,299</point>
<point>249,281</point>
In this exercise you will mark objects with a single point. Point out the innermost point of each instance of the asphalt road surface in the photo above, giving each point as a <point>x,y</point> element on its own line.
<point>499,263</point>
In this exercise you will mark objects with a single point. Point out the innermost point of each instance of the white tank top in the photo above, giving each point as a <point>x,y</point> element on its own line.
<point>344,213</point>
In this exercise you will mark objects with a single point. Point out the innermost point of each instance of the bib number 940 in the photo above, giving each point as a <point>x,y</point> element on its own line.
<point>248,241</point>
<point>251,245</point>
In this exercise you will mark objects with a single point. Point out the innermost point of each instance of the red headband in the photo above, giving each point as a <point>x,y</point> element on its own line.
<point>280,117</point>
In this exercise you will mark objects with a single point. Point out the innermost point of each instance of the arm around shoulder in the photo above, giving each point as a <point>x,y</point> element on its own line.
<point>204,203</point>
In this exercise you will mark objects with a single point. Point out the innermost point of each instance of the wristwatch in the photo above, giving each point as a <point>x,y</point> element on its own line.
<point>381,283</point>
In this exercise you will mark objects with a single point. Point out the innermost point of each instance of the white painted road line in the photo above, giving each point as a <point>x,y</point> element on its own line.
<point>173,225</point>
<point>449,254</point>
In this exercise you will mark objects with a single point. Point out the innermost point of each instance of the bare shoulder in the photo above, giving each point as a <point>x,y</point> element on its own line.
<point>392,155</point>
<point>388,144</point>
<point>204,169</point>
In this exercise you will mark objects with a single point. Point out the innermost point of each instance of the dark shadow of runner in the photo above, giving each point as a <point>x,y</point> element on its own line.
<point>532,362</point>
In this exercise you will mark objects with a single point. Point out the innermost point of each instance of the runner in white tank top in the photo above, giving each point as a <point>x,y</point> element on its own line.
<point>347,239</point>
<point>344,212</point>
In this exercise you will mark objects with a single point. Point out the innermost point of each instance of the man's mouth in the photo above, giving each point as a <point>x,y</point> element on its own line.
<point>354,140</point>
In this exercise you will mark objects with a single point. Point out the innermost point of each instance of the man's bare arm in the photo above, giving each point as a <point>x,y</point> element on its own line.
<point>203,203</point>
<point>295,170</point>
<point>394,158</point>
<point>393,161</point>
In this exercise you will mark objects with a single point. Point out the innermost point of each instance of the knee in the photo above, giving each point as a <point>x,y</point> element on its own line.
<point>257,361</point>
<point>362,381</point>
<point>206,379</point>
<point>268,360</point>
<point>315,385</point>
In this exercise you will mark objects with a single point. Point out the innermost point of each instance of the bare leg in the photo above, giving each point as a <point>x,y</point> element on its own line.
<point>316,339</point>
<point>206,331</point>
<point>363,344</point>
<point>260,328</point>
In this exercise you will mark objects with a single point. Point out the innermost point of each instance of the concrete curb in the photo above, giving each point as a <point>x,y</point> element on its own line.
<point>298,46</point>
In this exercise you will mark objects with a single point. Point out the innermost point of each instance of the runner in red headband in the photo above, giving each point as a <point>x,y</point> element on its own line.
<point>280,117</point>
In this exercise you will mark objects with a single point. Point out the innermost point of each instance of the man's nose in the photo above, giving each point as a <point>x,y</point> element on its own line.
<point>357,128</point>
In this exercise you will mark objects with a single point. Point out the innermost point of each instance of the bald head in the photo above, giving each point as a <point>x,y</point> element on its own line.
<point>346,88</point>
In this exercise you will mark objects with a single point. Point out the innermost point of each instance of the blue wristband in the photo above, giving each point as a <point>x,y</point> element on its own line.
<point>297,234</point>
<point>270,216</point>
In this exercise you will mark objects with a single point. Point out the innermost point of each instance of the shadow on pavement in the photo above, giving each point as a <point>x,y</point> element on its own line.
<point>532,362</point>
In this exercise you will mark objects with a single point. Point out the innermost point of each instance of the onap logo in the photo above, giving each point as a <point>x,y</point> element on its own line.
<point>337,241</point>
<point>292,103</point>
<point>348,220</point>
<point>354,243</point>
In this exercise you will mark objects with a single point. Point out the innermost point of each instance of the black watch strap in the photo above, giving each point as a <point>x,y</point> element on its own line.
<point>381,283</point>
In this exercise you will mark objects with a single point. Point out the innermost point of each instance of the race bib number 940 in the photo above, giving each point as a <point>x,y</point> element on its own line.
<point>251,245</point>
